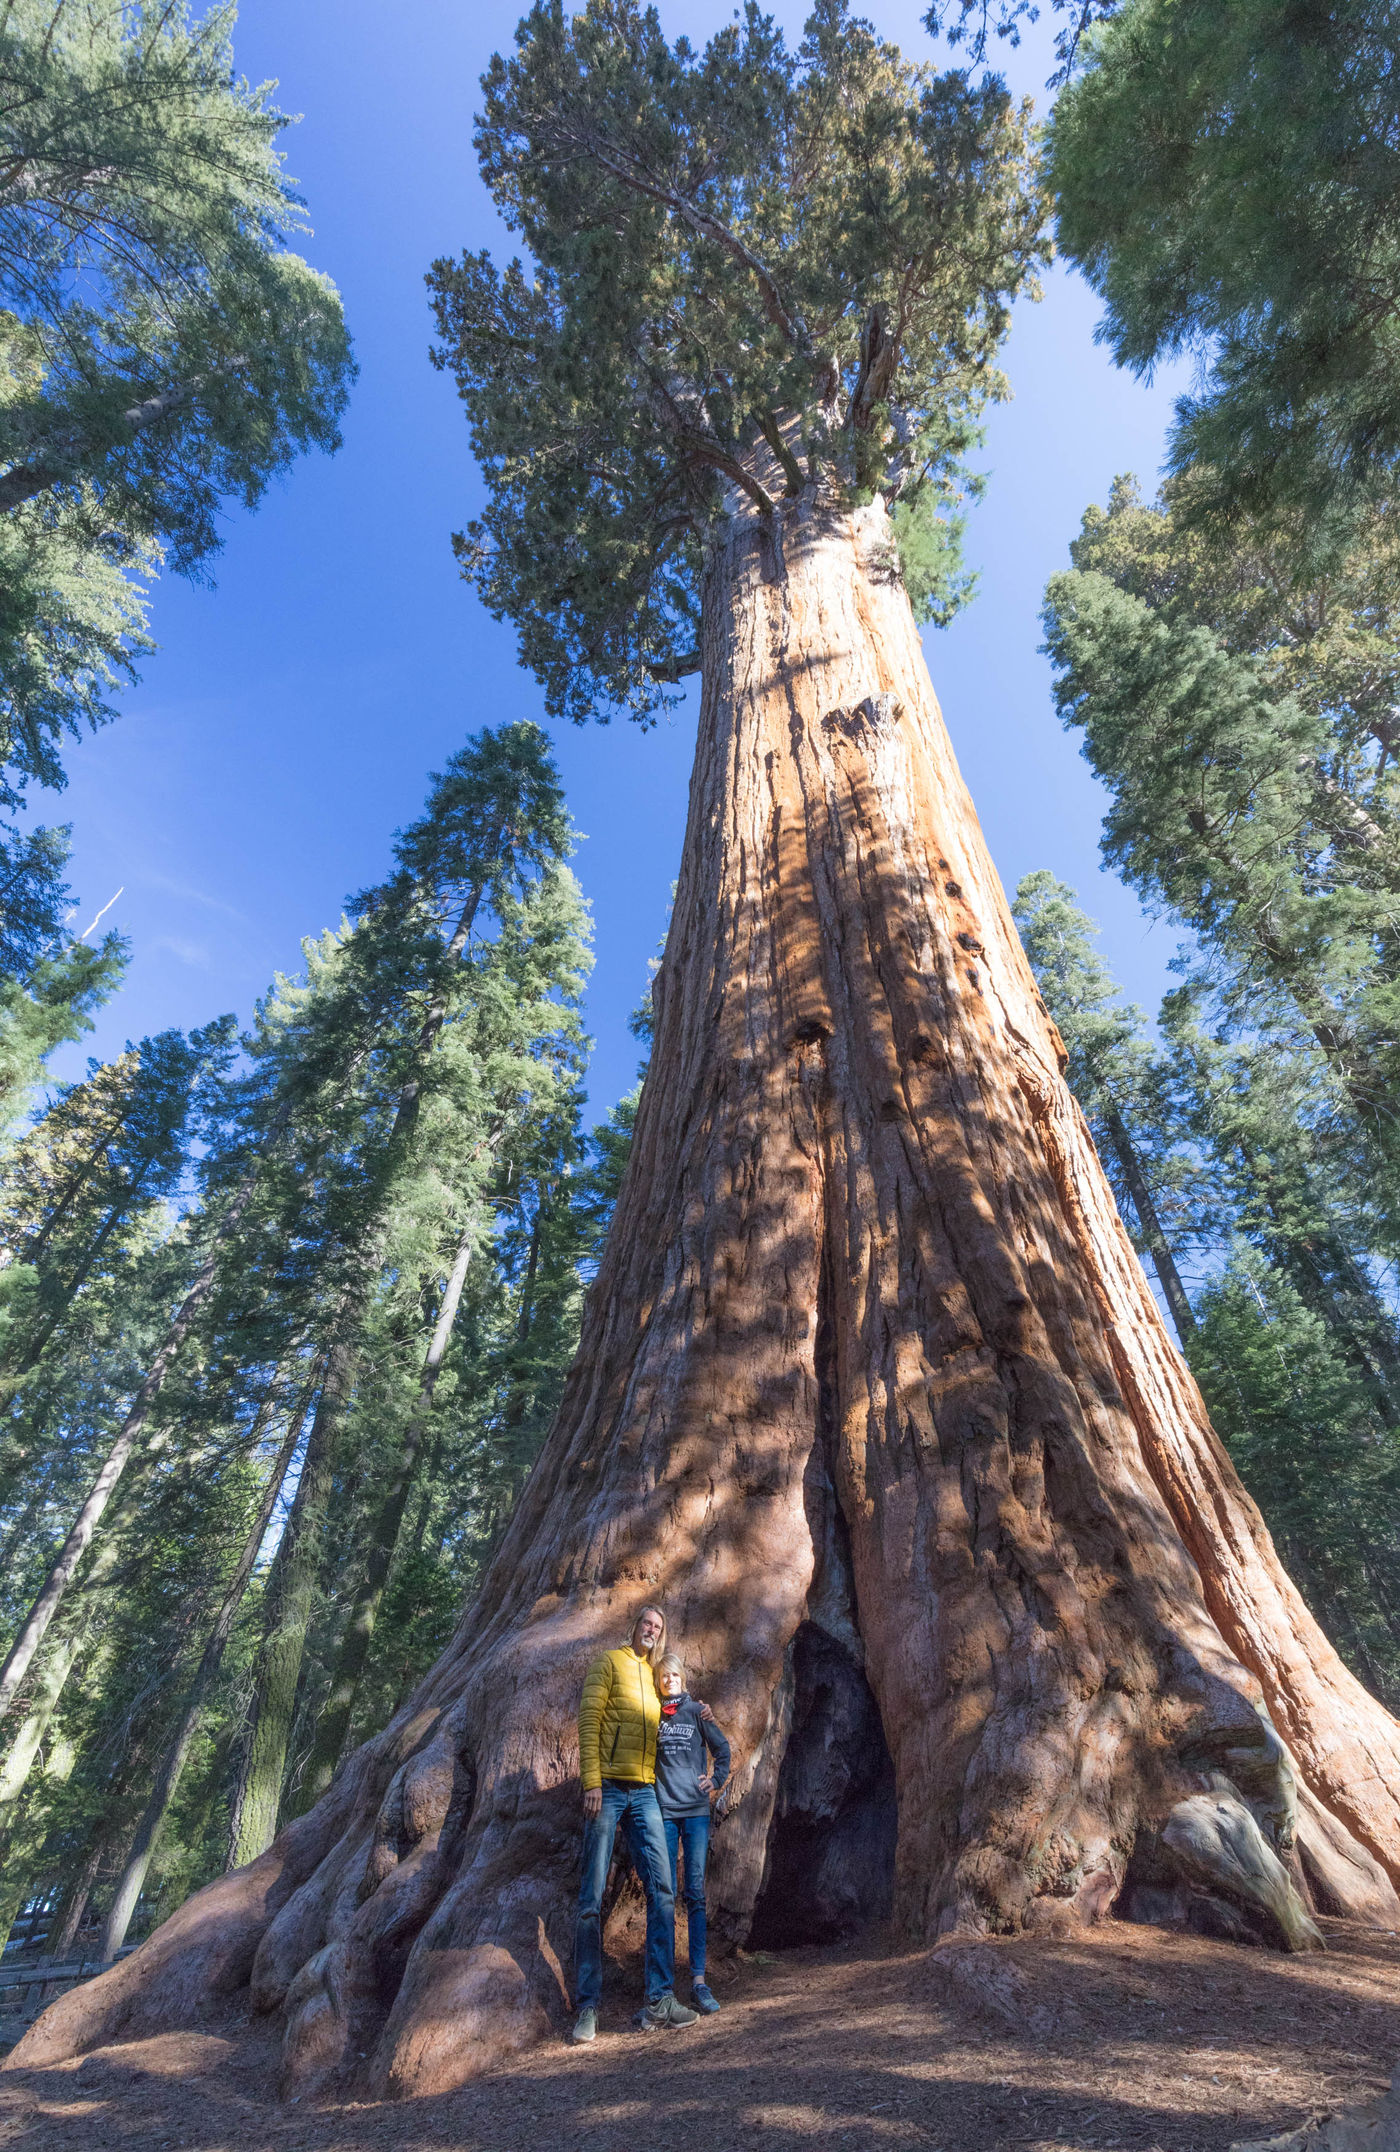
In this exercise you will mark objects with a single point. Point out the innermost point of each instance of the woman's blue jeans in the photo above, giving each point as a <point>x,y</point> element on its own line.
<point>636,1809</point>
<point>690,1835</point>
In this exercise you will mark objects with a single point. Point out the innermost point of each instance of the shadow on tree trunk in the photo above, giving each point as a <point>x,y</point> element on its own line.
<point>873,1397</point>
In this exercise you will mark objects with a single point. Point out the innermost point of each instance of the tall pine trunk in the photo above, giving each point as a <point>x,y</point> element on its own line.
<point>870,1382</point>
<point>333,1723</point>
<point>1158,1246</point>
<point>292,1592</point>
<point>72,1909</point>
<point>172,1764</point>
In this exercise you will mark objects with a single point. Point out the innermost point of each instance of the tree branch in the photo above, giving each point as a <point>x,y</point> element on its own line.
<point>674,669</point>
<point>704,447</point>
<point>772,434</point>
<point>879,356</point>
<point>26,480</point>
<point>629,172</point>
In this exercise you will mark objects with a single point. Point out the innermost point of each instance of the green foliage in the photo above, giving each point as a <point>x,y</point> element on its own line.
<point>1119,1079</point>
<point>420,1080</point>
<point>1104,1039</point>
<point>73,610</point>
<point>1324,1470</point>
<point>1284,1176</point>
<point>931,558</point>
<point>1227,180</point>
<point>753,271</point>
<point>161,352</point>
<point>1241,714</point>
<point>975,22</point>
<point>1227,1149</point>
<point>101,1165</point>
<point>34,898</point>
<point>166,349</point>
<point>50,1008</point>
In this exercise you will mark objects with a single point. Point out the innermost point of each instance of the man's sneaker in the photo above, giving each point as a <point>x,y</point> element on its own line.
<point>703,1999</point>
<point>665,2014</point>
<point>585,2028</point>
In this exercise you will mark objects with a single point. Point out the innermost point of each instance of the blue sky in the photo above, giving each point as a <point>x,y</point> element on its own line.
<point>287,724</point>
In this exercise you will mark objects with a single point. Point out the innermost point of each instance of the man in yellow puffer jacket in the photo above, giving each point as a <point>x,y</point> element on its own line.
<point>618,1715</point>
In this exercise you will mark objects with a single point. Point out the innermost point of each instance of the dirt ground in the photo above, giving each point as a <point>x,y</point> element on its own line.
<point>1133,2038</point>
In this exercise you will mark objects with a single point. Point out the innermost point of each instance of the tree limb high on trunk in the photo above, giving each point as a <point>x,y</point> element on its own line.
<point>54,464</point>
<point>869,1363</point>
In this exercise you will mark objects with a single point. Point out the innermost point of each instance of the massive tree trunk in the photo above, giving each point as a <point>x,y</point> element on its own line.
<point>873,1397</point>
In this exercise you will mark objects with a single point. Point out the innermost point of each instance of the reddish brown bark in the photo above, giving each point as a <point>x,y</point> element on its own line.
<point>871,1390</point>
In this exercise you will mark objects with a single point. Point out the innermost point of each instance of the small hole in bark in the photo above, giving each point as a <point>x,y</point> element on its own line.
<point>952,889</point>
<point>891,1111</point>
<point>921,1047</point>
<point>973,981</point>
<point>809,1034</point>
<point>830,1866</point>
<point>971,944</point>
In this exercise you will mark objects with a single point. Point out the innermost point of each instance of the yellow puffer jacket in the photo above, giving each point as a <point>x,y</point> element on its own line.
<point>618,1714</point>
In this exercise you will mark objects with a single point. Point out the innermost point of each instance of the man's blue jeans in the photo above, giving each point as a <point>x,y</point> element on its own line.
<point>636,1809</point>
<point>690,1835</point>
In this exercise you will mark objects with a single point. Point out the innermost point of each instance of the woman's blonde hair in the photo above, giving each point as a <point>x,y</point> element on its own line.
<point>670,1662</point>
<point>654,1655</point>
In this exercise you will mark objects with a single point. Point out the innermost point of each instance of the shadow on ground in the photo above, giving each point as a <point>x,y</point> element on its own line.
<point>1133,2038</point>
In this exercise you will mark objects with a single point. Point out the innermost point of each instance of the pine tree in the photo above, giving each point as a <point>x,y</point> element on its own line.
<point>166,349</point>
<point>34,898</point>
<point>51,1006</point>
<point>1237,701</point>
<point>106,1150</point>
<point>161,350</point>
<point>219,1229</point>
<point>1227,180</point>
<point>1281,1163</point>
<point>1322,1464</point>
<point>1112,1071</point>
<point>446,987</point>
<point>172,1765</point>
<point>1290,1338</point>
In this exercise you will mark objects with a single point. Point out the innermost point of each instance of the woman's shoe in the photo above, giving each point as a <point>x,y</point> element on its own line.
<point>664,2015</point>
<point>702,1998</point>
<point>585,2028</point>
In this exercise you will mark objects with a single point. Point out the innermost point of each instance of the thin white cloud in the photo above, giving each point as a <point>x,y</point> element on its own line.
<point>173,888</point>
<point>188,952</point>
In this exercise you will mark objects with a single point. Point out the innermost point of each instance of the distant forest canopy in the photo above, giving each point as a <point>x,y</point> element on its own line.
<point>285,1313</point>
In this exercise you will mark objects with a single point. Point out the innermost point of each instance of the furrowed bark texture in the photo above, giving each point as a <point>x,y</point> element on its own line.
<point>874,1399</point>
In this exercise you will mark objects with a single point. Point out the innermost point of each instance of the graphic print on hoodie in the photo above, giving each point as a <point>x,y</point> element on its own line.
<point>682,1740</point>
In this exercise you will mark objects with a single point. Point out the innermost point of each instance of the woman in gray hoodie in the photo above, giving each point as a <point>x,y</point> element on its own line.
<point>692,1766</point>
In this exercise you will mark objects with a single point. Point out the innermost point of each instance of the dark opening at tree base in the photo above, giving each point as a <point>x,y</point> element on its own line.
<point>830,1865</point>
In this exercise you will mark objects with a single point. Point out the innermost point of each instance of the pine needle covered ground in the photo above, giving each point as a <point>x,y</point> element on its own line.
<point>1170,2042</point>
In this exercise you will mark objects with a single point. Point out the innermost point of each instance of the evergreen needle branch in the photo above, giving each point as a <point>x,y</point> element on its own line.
<point>630,172</point>
<point>55,465</point>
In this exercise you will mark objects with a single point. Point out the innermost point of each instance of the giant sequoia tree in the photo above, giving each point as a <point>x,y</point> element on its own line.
<point>871,1392</point>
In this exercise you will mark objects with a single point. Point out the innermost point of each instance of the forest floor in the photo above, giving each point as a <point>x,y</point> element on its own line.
<point>1134,2038</point>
